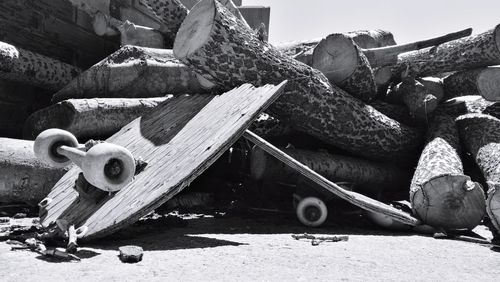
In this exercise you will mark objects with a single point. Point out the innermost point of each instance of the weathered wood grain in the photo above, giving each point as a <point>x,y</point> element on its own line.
<point>178,140</point>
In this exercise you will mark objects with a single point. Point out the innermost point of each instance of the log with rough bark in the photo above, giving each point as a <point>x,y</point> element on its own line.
<point>417,98</point>
<point>469,52</point>
<point>373,38</point>
<point>481,81</point>
<point>440,194</point>
<point>135,72</point>
<point>396,112</point>
<point>343,63</point>
<point>215,44</point>
<point>171,13</point>
<point>23,178</point>
<point>89,118</point>
<point>471,105</point>
<point>434,85</point>
<point>24,66</point>
<point>384,56</point>
<point>104,24</point>
<point>337,168</point>
<point>481,136</point>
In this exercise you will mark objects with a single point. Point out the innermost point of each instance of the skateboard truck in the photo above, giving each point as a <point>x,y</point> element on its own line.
<point>106,166</point>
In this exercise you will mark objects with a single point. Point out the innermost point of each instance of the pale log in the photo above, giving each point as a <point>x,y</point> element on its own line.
<point>440,194</point>
<point>24,66</point>
<point>469,52</point>
<point>337,168</point>
<point>373,38</point>
<point>134,72</point>
<point>89,118</point>
<point>219,47</point>
<point>481,136</point>
<point>384,56</point>
<point>343,63</point>
<point>481,81</point>
<point>23,178</point>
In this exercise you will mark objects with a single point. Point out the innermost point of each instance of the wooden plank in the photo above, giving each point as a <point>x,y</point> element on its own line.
<point>178,140</point>
<point>354,198</point>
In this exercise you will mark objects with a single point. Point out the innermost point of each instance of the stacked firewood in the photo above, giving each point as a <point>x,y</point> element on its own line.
<point>388,117</point>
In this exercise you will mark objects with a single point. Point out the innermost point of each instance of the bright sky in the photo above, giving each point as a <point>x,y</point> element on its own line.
<point>408,20</point>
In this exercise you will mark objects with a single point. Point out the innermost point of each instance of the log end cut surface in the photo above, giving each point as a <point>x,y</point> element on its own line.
<point>450,202</point>
<point>336,56</point>
<point>493,204</point>
<point>195,30</point>
<point>488,83</point>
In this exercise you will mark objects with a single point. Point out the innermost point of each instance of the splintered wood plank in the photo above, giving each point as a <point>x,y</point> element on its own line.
<point>179,140</point>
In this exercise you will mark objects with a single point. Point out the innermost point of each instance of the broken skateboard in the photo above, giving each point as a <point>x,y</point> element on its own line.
<point>177,140</point>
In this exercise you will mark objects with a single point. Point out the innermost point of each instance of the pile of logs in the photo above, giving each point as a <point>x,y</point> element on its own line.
<point>357,107</point>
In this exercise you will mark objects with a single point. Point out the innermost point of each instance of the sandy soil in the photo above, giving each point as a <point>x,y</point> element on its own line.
<point>260,248</point>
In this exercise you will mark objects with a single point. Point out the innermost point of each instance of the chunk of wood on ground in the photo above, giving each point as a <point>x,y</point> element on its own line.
<point>480,134</point>
<point>481,81</point>
<point>440,194</point>
<point>24,178</point>
<point>131,254</point>
<point>335,167</point>
<point>24,66</point>
<point>89,118</point>
<point>135,72</point>
<point>215,44</point>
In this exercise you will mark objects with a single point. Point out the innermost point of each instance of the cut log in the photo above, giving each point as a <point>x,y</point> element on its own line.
<point>24,66</point>
<point>384,56</point>
<point>417,98</point>
<point>336,168</point>
<point>11,117</point>
<point>89,118</point>
<point>171,13</point>
<point>481,136</point>
<point>215,43</point>
<point>470,105</point>
<point>343,63</point>
<point>470,52</point>
<point>372,38</point>
<point>23,178</point>
<point>481,81</point>
<point>440,194</point>
<point>135,72</point>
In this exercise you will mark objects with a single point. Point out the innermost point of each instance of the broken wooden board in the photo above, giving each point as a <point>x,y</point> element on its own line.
<point>178,140</point>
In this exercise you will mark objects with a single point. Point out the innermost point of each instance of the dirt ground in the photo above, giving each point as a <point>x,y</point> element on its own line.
<point>261,248</point>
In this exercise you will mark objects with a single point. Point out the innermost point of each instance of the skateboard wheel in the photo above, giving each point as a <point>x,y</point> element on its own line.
<point>47,142</point>
<point>45,202</point>
<point>311,211</point>
<point>108,167</point>
<point>81,231</point>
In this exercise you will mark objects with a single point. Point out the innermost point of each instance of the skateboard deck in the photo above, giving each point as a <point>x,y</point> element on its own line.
<point>178,140</point>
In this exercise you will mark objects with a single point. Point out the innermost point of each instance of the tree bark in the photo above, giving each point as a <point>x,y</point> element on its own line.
<point>343,63</point>
<point>481,81</point>
<point>441,195</point>
<point>466,53</point>
<point>396,112</point>
<point>134,72</point>
<point>23,66</point>
<point>218,46</point>
<point>481,136</point>
<point>89,118</point>
<point>335,168</point>
<point>23,178</point>
<point>471,105</point>
<point>170,13</point>
<point>388,55</point>
<point>434,85</point>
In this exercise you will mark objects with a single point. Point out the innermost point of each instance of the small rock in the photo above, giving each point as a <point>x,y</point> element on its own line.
<point>130,254</point>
